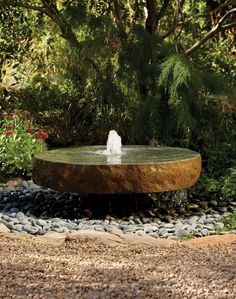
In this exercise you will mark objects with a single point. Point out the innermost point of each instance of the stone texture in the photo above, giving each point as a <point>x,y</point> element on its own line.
<point>3,228</point>
<point>172,173</point>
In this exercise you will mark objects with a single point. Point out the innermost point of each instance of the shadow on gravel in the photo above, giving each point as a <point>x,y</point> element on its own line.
<point>48,204</point>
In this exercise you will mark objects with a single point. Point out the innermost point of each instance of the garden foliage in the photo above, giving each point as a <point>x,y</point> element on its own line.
<point>20,140</point>
<point>140,67</point>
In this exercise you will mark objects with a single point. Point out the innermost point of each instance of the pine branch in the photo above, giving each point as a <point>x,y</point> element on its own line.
<point>213,31</point>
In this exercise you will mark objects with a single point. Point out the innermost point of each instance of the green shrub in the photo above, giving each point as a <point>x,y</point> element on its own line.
<point>19,141</point>
<point>230,221</point>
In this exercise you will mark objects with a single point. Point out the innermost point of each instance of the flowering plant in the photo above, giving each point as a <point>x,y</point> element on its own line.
<point>19,141</point>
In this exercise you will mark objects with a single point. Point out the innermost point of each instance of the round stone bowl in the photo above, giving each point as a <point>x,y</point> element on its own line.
<point>139,169</point>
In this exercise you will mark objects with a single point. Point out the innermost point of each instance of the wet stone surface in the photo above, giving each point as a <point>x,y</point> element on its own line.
<point>30,209</point>
<point>138,169</point>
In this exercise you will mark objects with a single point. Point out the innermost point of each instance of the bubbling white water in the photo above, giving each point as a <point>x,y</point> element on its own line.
<point>114,143</point>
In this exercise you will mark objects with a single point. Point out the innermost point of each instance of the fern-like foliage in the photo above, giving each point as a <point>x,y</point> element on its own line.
<point>181,83</point>
<point>177,74</point>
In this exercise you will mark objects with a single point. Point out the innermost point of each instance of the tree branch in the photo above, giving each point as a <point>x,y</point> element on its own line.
<point>23,5</point>
<point>151,21</point>
<point>50,9</point>
<point>174,24</point>
<point>228,26</point>
<point>162,10</point>
<point>205,14</point>
<point>212,32</point>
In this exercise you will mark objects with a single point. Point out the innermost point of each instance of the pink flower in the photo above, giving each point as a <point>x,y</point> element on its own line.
<point>29,130</point>
<point>44,134</point>
<point>8,132</point>
<point>10,127</point>
<point>25,112</point>
<point>26,122</point>
<point>4,113</point>
<point>11,116</point>
<point>41,135</point>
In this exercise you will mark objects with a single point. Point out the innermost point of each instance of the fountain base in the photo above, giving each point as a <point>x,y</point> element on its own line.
<point>140,169</point>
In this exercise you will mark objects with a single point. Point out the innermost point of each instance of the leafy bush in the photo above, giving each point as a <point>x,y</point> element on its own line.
<point>19,141</point>
<point>230,221</point>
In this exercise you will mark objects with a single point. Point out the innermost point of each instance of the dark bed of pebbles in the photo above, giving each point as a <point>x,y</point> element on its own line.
<point>28,208</point>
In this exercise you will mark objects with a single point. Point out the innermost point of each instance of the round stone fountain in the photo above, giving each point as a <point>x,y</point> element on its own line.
<point>132,169</point>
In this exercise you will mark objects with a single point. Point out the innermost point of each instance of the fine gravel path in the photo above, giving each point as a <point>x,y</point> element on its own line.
<point>77,269</point>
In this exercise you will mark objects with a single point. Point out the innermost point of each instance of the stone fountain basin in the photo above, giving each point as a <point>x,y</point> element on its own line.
<point>139,169</point>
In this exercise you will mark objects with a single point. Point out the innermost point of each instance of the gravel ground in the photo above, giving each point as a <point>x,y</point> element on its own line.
<point>78,269</point>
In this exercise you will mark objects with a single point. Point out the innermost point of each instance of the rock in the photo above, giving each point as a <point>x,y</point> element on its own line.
<point>41,222</point>
<point>137,221</point>
<point>140,233</point>
<point>18,227</point>
<point>58,229</point>
<point>154,235</point>
<point>209,226</point>
<point>182,210</point>
<point>87,227</point>
<point>162,231</point>
<point>130,230</point>
<point>193,220</point>
<point>41,232</point>
<point>166,235</point>
<point>222,203</point>
<point>205,232</point>
<point>116,231</point>
<point>203,205</point>
<point>131,222</point>
<point>149,229</point>
<point>56,225</point>
<point>21,216</point>
<point>216,216</point>
<point>30,229</point>
<point>146,220</point>
<point>4,228</point>
<point>231,208</point>
<point>168,218</point>
<point>99,228</point>
<point>146,177</point>
<point>208,221</point>
<point>47,226</point>
<point>180,233</point>
<point>10,225</point>
<point>14,183</point>
<point>114,223</point>
<point>222,209</point>
<point>169,225</point>
<point>14,211</point>
<point>213,203</point>
<point>191,228</point>
<point>192,206</point>
<point>199,226</point>
<point>199,213</point>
